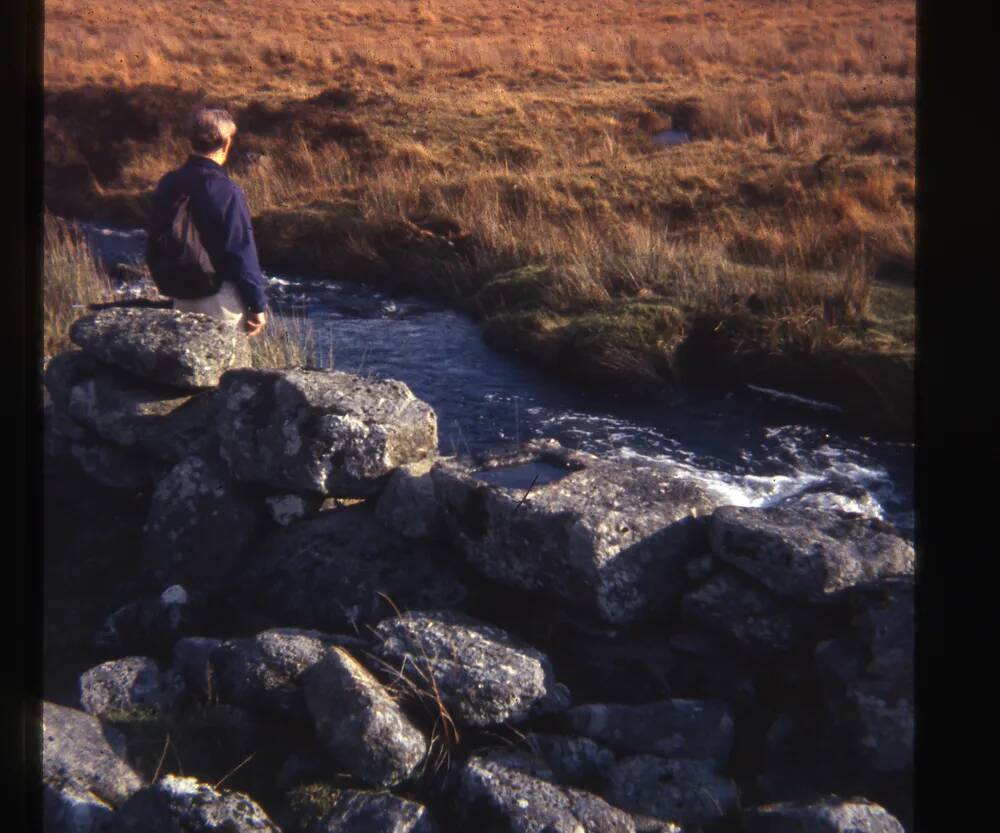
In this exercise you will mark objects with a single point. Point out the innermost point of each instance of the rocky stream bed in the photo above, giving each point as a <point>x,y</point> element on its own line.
<point>271,605</point>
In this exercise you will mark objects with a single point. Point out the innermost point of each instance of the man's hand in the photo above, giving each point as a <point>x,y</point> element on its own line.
<point>255,322</point>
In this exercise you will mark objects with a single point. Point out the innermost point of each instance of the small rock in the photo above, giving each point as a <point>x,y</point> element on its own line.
<point>321,431</point>
<point>186,350</point>
<point>678,789</point>
<point>176,804</point>
<point>264,673</point>
<point>830,815</point>
<point>808,554</point>
<point>363,728</point>
<point>287,509</point>
<point>701,729</point>
<point>484,676</point>
<point>127,686</point>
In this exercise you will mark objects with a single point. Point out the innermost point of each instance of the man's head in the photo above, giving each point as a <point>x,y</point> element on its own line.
<point>211,133</point>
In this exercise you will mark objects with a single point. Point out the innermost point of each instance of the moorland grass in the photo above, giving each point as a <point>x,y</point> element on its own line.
<point>501,156</point>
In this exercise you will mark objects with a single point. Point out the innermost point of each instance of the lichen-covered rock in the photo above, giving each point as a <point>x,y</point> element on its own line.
<point>176,804</point>
<point>875,713</point>
<point>129,685</point>
<point>84,773</point>
<point>186,350</point>
<point>760,622</point>
<point>484,675</point>
<point>354,567</point>
<point>265,673</point>
<point>701,729</point>
<point>199,522</point>
<point>363,728</point>
<point>408,506</point>
<point>158,420</point>
<point>362,811</point>
<point>609,536</point>
<point>321,431</point>
<point>678,789</point>
<point>808,554</point>
<point>492,796</point>
<point>830,815</point>
<point>151,624</point>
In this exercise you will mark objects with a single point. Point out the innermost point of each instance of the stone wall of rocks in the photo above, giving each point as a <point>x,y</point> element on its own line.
<point>334,629</point>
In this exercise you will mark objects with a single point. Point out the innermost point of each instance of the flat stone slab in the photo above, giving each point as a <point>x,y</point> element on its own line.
<point>484,675</point>
<point>494,795</point>
<point>830,815</point>
<point>808,554</point>
<point>321,430</point>
<point>678,790</point>
<point>610,536</point>
<point>118,408</point>
<point>186,350</point>
<point>263,673</point>
<point>702,729</point>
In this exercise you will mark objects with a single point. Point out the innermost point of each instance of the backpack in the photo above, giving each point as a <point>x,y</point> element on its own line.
<point>177,259</point>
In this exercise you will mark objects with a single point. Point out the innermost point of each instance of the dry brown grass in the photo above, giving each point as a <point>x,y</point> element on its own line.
<point>525,128</point>
<point>71,281</point>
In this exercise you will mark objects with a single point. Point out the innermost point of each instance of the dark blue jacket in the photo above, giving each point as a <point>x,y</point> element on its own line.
<point>220,213</point>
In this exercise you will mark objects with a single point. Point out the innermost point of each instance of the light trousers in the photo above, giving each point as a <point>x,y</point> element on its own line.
<point>225,304</point>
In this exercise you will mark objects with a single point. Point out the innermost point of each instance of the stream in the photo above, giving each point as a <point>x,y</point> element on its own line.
<point>752,447</point>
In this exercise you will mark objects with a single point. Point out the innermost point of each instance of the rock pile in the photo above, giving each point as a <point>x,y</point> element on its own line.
<point>536,640</point>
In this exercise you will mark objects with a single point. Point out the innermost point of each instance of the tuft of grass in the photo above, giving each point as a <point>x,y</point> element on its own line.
<point>288,340</point>
<point>72,280</point>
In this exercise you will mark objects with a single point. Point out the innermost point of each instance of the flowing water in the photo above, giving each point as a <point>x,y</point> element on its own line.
<point>752,447</point>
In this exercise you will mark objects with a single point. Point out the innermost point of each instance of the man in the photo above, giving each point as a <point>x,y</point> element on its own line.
<point>219,213</point>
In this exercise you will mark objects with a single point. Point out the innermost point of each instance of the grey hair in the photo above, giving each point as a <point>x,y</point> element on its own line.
<point>209,129</point>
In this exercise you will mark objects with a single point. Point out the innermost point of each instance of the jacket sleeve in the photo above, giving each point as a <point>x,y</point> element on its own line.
<point>239,252</point>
